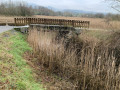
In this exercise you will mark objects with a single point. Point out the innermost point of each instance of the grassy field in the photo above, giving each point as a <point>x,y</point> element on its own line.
<point>15,73</point>
<point>95,23</point>
<point>4,19</point>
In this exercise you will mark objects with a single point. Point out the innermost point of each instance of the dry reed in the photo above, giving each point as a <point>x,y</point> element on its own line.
<point>85,62</point>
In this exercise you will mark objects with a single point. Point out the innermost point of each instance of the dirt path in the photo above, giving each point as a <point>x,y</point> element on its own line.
<point>5,28</point>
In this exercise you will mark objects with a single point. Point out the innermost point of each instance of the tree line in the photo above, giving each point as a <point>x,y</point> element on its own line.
<point>15,9</point>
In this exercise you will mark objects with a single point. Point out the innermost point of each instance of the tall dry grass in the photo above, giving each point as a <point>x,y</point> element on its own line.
<point>84,61</point>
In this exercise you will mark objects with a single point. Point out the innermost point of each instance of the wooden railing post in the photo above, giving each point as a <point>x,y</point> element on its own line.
<point>15,21</point>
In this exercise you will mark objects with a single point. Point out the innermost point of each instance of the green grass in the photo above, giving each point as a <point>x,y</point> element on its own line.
<point>15,73</point>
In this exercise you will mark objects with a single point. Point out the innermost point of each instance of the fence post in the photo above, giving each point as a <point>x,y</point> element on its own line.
<point>15,21</point>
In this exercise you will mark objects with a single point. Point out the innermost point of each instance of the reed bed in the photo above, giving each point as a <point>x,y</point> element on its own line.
<point>86,62</point>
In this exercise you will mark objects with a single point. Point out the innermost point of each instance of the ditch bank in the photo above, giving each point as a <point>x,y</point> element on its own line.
<point>15,73</point>
<point>79,61</point>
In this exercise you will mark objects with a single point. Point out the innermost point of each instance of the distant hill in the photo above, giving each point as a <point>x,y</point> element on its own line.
<point>52,8</point>
<point>79,11</point>
<point>72,11</point>
<point>67,10</point>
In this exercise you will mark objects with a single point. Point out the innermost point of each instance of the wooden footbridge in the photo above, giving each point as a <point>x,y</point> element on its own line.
<point>51,22</point>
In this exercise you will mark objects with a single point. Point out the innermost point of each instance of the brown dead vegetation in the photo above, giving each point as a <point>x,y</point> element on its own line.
<point>81,63</point>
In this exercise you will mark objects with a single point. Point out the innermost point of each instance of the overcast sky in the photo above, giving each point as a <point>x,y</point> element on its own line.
<point>87,5</point>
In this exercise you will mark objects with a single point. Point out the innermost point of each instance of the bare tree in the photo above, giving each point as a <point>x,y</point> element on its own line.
<point>115,4</point>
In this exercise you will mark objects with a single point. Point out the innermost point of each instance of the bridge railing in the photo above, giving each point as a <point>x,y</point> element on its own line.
<point>73,23</point>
